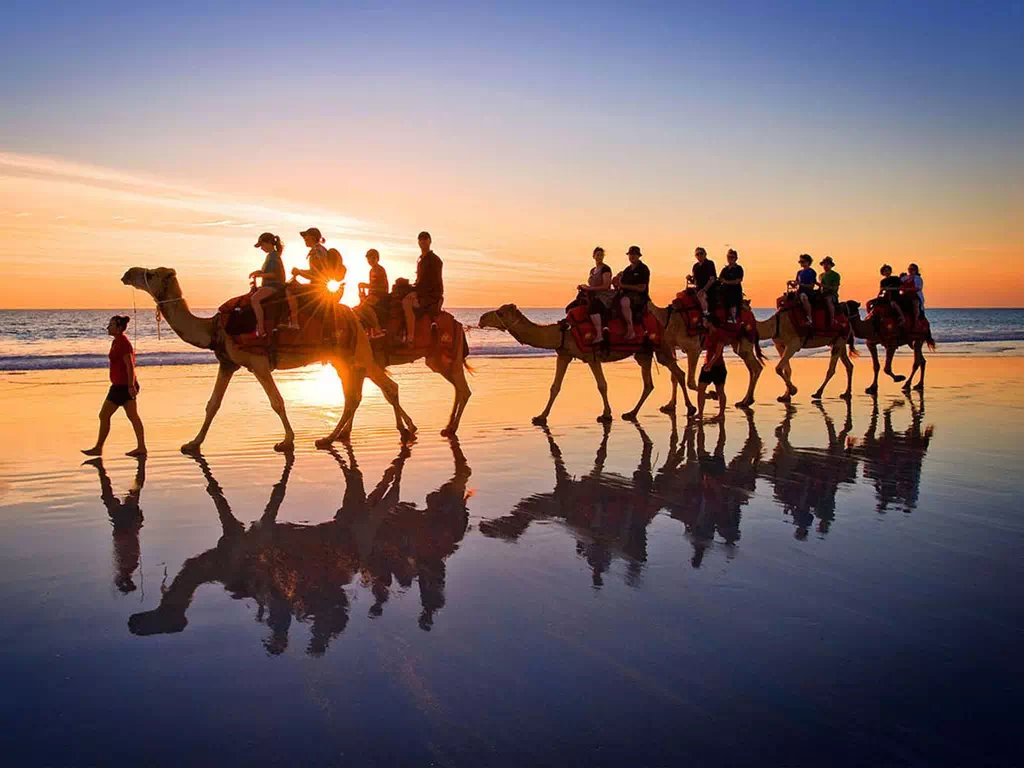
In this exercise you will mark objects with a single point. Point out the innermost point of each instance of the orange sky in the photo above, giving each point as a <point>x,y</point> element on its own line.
<point>70,230</point>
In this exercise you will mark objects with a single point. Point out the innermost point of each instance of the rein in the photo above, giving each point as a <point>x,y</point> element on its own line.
<point>145,276</point>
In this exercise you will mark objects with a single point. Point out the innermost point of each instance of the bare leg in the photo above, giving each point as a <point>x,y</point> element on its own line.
<point>806,302</point>
<point>627,317</point>
<point>293,310</point>
<point>261,370</point>
<point>645,369</point>
<point>561,364</point>
<point>257,309</point>
<point>602,387</point>
<point>702,396</point>
<point>721,403</point>
<point>106,411</point>
<point>131,408</point>
<point>598,327</point>
<point>224,374</point>
<point>408,304</point>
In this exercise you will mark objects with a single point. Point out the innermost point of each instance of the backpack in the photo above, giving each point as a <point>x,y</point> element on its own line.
<point>333,265</point>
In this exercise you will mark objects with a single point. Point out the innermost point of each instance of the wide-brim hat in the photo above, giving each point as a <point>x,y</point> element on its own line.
<point>827,260</point>
<point>634,249</point>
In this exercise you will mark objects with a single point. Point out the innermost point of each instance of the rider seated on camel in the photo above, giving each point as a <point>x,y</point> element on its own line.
<point>913,287</point>
<point>829,283</point>
<point>597,293</point>
<point>372,294</point>
<point>324,265</point>
<point>804,283</point>
<point>633,283</point>
<point>271,275</point>
<point>731,285</point>
<point>704,276</point>
<point>889,292</point>
<point>427,295</point>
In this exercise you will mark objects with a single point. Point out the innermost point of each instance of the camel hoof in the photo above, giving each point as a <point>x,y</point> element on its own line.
<point>285,446</point>
<point>631,416</point>
<point>539,421</point>
<point>691,385</point>
<point>691,410</point>
<point>323,442</point>
<point>898,377</point>
<point>846,396</point>
<point>872,390</point>
<point>816,395</point>
<point>668,408</point>
<point>906,387</point>
<point>919,388</point>
<point>605,418</point>
<point>446,432</point>
<point>744,404</point>
<point>784,398</point>
<point>191,448</point>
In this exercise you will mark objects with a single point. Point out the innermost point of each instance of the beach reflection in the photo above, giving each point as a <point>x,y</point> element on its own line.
<point>300,572</point>
<point>126,519</point>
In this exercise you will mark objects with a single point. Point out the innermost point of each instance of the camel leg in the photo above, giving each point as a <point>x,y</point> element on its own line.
<point>889,354</point>
<point>833,361</point>
<point>754,367</point>
<point>561,365</point>
<point>670,406</point>
<point>678,381</point>
<point>785,371</point>
<point>919,364</point>
<point>261,370</point>
<point>602,387</point>
<point>873,349</point>
<point>224,374</point>
<point>644,361</point>
<point>352,386</point>
<point>692,361</point>
<point>457,377</point>
<point>844,358</point>
<point>388,387</point>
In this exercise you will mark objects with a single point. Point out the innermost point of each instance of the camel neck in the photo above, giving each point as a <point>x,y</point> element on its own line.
<point>527,332</point>
<point>197,331</point>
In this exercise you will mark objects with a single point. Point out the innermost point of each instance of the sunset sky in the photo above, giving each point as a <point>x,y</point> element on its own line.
<point>520,135</point>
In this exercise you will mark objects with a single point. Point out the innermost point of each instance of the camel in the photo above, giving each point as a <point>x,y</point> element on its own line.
<point>865,329</point>
<point>552,336</point>
<point>789,340</point>
<point>351,366</point>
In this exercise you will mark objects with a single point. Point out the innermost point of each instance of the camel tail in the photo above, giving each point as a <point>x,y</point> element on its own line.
<point>850,342</point>
<point>465,353</point>
<point>930,341</point>
<point>757,345</point>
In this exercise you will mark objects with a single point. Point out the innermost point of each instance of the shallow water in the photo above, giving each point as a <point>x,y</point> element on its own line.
<point>803,586</point>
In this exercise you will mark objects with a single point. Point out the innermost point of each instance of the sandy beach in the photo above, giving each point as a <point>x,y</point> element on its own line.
<point>808,577</point>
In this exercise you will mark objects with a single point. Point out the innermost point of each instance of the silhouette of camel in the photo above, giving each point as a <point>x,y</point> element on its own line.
<point>301,571</point>
<point>126,519</point>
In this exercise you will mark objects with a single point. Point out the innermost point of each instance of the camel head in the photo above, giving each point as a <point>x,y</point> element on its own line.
<point>160,283</point>
<point>501,318</point>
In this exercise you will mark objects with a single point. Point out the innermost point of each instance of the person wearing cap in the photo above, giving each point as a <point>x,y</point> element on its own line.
<point>427,295</point>
<point>271,276</point>
<point>731,282</point>
<point>633,283</point>
<point>806,279</point>
<point>829,283</point>
<point>704,276</point>
<point>373,293</point>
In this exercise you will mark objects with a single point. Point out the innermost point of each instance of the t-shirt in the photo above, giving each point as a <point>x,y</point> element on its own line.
<point>918,284</point>
<point>890,283</point>
<point>118,370</point>
<point>830,283</point>
<point>429,280</point>
<point>806,277</point>
<point>275,266</point>
<point>378,281</point>
<point>734,272</point>
<point>637,274</point>
<point>596,277</point>
<point>703,272</point>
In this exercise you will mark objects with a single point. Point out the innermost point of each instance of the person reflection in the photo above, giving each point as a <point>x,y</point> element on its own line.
<point>301,572</point>
<point>806,480</point>
<point>703,492</point>
<point>893,460</point>
<point>606,513</point>
<point>126,521</point>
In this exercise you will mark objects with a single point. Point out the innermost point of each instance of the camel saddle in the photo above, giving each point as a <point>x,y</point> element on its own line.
<point>721,329</point>
<point>687,306</point>
<point>435,337</point>
<point>790,302</point>
<point>647,328</point>
<point>888,327</point>
<point>317,324</point>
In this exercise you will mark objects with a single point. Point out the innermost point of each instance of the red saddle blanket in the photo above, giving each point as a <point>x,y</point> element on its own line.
<point>435,337</point>
<point>889,329</point>
<point>686,305</point>
<point>318,322</point>
<point>819,326</point>
<point>727,332</point>
<point>647,329</point>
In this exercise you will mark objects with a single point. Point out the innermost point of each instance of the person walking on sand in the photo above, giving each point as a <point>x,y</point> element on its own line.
<point>427,295</point>
<point>124,388</point>
<point>713,372</point>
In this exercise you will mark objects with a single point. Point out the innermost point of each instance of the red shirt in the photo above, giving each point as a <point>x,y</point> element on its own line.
<point>118,370</point>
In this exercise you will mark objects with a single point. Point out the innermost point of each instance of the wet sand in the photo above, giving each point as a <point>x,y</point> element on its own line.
<point>801,586</point>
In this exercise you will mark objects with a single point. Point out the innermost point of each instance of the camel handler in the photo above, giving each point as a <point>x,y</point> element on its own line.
<point>427,295</point>
<point>829,282</point>
<point>373,294</point>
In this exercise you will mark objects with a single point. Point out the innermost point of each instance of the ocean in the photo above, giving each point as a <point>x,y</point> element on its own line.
<point>53,339</point>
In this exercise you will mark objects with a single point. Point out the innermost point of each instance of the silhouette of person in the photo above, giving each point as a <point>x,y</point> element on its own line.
<point>126,521</point>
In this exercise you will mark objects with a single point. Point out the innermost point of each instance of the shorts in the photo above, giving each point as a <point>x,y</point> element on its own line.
<point>715,376</point>
<point>118,394</point>
<point>637,301</point>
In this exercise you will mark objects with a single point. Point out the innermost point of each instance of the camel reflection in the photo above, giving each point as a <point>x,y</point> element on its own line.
<point>300,572</point>
<point>893,460</point>
<point>606,513</point>
<point>806,480</point>
<point>703,492</point>
<point>126,520</point>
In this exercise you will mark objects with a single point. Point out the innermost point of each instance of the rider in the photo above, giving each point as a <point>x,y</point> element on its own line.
<point>324,265</point>
<point>804,283</point>
<point>633,283</point>
<point>427,294</point>
<point>889,291</point>
<point>271,275</point>
<point>598,292</point>
<point>373,293</point>
<point>704,275</point>
<point>731,282</point>
<point>829,283</point>
<point>913,286</point>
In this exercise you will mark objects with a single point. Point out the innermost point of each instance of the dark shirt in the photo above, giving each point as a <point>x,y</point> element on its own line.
<point>703,272</point>
<point>378,281</point>
<point>806,278</point>
<point>637,274</point>
<point>429,280</point>
<point>734,272</point>
<point>890,284</point>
